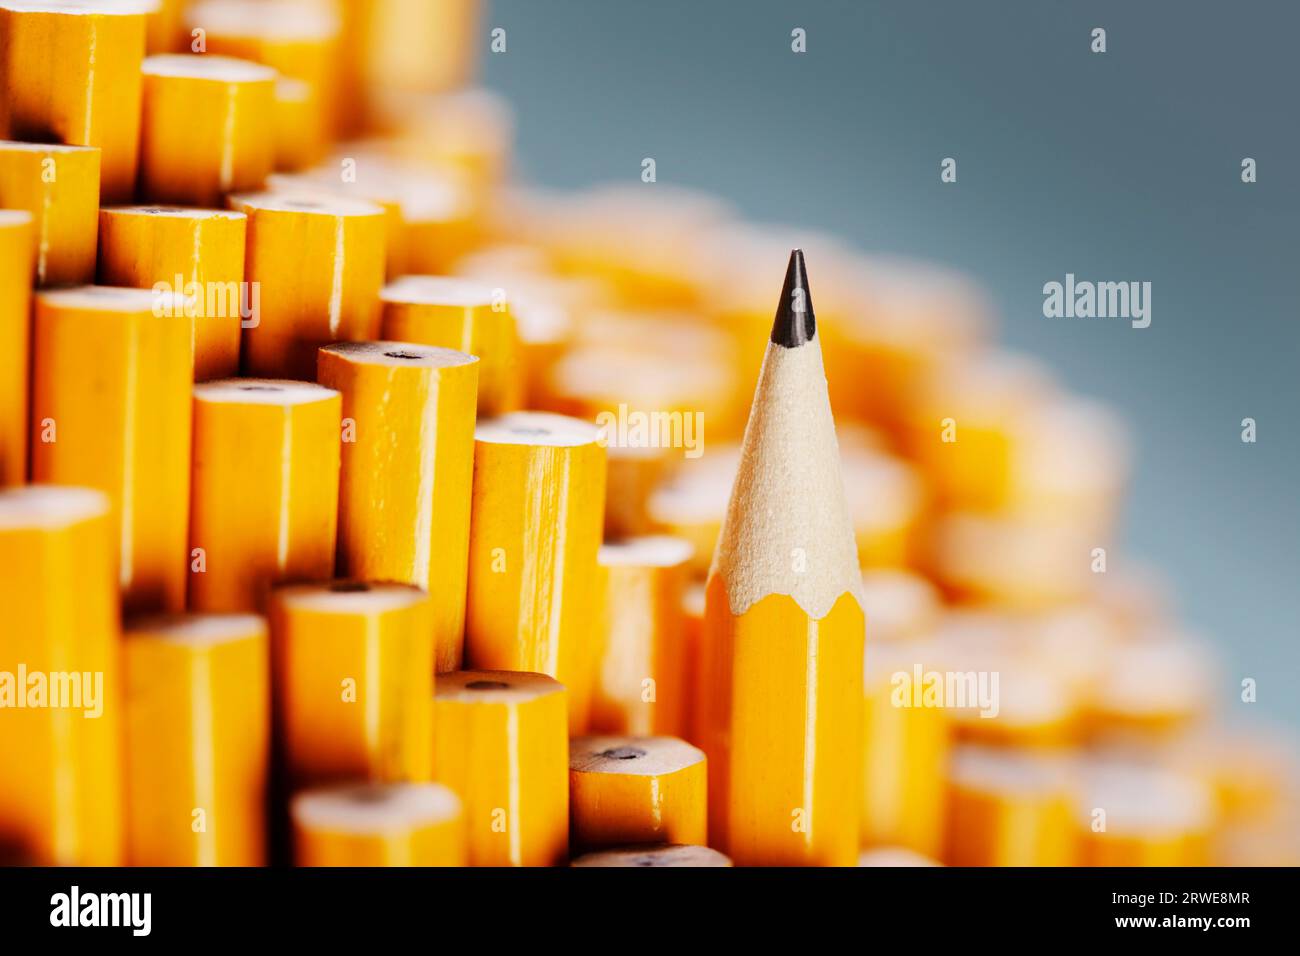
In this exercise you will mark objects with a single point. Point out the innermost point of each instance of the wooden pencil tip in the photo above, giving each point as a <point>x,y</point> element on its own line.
<point>795,323</point>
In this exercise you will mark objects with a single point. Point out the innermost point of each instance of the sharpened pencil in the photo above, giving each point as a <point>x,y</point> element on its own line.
<point>784,628</point>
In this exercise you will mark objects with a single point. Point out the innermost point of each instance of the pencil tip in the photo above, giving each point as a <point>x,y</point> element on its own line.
<point>795,323</point>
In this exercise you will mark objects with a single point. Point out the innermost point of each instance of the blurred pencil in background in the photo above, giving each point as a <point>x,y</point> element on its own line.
<point>641,664</point>
<point>17,250</point>
<point>353,682</point>
<point>198,740</point>
<point>61,778</point>
<point>653,856</point>
<point>93,96</point>
<point>395,824</point>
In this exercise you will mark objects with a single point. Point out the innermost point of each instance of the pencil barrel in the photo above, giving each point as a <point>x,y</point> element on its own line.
<point>317,266</point>
<point>407,459</point>
<point>198,730</point>
<point>353,683</point>
<point>206,128</point>
<point>641,665</point>
<point>61,772</point>
<point>195,252</point>
<point>17,251</point>
<point>298,126</point>
<point>535,528</point>
<point>906,751</point>
<point>407,824</point>
<point>636,790</point>
<point>59,186</point>
<point>501,743</point>
<point>92,98</point>
<point>1008,809</point>
<point>265,490</point>
<point>112,372</point>
<point>643,856</point>
<point>462,315</point>
<point>783,731</point>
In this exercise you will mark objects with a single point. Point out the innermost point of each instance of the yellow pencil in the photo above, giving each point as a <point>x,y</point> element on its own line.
<point>784,628</point>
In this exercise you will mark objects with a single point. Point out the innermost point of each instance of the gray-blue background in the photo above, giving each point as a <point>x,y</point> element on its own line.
<point>1117,166</point>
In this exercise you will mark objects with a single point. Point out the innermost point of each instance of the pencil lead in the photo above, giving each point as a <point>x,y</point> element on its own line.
<point>795,323</point>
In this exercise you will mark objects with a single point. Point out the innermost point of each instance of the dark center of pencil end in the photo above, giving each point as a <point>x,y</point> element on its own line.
<point>795,323</point>
<point>623,753</point>
<point>487,685</point>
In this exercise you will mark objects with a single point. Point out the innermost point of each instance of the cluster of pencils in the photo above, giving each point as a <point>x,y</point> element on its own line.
<point>359,506</point>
